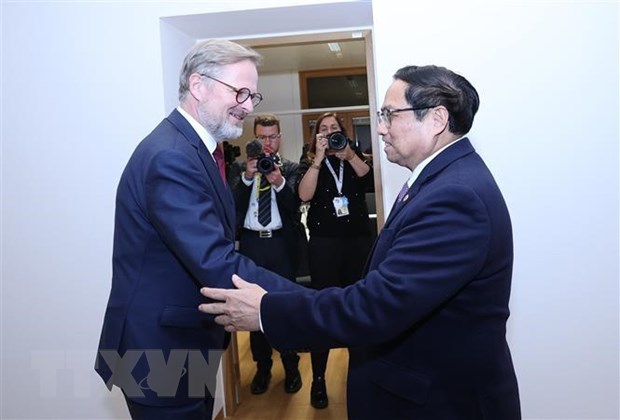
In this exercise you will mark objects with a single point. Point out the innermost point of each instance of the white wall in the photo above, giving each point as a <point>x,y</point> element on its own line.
<point>547,75</point>
<point>283,95</point>
<point>82,83</point>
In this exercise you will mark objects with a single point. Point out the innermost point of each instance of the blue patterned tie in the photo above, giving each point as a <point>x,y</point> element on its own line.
<point>264,201</point>
<point>402,193</point>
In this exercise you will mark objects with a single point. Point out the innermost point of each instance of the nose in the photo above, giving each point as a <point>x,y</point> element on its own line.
<point>382,128</point>
<point>247,105</point>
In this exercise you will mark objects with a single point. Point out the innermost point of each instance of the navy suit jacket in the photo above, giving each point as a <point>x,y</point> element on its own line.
<point>174,233</point>
<point>426,325</point>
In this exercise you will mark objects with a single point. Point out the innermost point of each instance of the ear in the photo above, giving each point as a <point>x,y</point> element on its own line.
<point>440,117</point>
<point>196,86</point>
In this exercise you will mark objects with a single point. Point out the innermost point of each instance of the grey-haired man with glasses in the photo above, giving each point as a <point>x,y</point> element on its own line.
<point>175,233</point>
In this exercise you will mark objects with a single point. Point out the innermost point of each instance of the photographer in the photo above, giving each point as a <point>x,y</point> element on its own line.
<point>334,178</point>
<point>269,220</point>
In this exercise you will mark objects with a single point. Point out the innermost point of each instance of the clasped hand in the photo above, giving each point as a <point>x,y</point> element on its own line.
<point>236,309</point>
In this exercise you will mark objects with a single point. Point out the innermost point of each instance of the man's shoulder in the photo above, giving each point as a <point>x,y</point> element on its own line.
<point>289,165</point>
<point>163,131</point>
<point>286,161</point>
<point>165,142</point>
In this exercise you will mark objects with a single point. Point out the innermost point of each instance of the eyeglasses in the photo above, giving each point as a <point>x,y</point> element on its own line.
<point>271,137</point>
<point>385,115</point>
<point>243,94</point>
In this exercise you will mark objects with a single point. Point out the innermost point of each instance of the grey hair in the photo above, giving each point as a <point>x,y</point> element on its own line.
<point>209,56</point>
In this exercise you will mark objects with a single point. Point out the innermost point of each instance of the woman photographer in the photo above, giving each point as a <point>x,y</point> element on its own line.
<point>334,179</point>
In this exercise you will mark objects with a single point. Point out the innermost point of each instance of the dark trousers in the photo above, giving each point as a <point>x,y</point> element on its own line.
<point>199,410</point>
<point>275,255</point>
<point>335,262</point>
<point>261,353</point>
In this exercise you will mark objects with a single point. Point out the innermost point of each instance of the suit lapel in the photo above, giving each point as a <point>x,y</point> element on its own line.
<point>207,160</point>
<point>441,161</point>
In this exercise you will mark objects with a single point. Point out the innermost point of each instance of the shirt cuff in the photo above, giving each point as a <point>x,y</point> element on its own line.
<point>248,183</point>
<point>281,187</point>
<point>260,323</point>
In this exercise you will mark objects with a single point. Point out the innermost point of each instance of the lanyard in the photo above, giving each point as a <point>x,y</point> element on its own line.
<point>337,179</point>
<point>257,181</point>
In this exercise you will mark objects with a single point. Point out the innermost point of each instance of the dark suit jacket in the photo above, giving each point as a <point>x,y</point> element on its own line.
<point>426,325</point>
<point>174,233</point>
<point>288,206</point>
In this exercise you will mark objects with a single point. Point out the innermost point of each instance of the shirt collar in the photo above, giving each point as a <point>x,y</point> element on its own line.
<point>418,169</point>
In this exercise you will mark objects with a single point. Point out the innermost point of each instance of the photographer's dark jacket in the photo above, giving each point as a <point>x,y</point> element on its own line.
<point>322,219</point>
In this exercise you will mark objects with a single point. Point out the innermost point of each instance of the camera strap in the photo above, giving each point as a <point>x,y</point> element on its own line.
<point>337,179</point>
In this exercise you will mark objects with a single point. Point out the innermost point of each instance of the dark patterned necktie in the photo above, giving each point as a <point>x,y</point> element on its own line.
<point>402,193</point>
<point>264,201</point>
<point>218,155</point>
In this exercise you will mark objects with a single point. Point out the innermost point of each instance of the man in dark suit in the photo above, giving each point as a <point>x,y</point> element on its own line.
<point>174,233</point>
<point>269,220</point>
<point>426,324</point>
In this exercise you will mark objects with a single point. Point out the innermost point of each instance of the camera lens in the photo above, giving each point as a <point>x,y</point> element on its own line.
<point>337,140</point>
<point>265,165</point>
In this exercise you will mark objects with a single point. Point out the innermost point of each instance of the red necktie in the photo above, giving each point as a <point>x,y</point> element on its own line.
<point>218,155</point>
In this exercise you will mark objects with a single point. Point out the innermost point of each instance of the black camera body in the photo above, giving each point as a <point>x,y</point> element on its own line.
<point>265,162</point>
<point>337,141</point>
<point>231,153</point>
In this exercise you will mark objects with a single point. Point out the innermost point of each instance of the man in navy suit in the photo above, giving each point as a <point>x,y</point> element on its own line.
<point>426,324</point>
<point>174,233</point>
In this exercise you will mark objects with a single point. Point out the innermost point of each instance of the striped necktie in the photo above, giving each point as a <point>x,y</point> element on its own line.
<point>264,201</point>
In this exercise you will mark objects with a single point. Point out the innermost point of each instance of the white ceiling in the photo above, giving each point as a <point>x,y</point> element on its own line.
<point>275,21</point>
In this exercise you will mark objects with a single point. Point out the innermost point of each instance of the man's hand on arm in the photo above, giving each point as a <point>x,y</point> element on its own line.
<point>237,309</point>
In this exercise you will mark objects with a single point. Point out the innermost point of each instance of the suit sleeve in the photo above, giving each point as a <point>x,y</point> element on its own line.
<point>181,204</point>
<point>425,258</point>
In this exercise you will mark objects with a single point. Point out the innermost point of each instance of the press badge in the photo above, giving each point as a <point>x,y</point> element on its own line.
<point>341,205</point>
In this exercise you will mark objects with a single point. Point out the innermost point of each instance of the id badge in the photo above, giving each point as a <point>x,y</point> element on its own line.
<point>341,205</point>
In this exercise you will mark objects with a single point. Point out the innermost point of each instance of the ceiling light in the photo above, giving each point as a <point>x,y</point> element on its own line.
<point>333,46</point>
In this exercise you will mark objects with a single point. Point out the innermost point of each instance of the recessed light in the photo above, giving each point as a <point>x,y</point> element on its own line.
<point>333,46</point>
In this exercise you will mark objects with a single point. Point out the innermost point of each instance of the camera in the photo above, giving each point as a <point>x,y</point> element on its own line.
<point>337,140</point>
<point>230,153</point>
<point>265,162</point>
